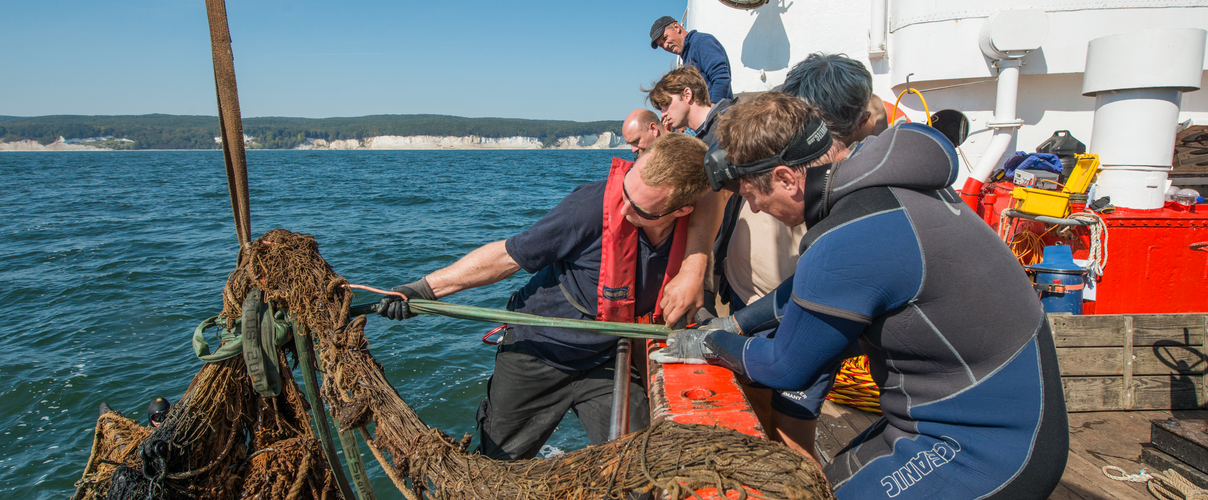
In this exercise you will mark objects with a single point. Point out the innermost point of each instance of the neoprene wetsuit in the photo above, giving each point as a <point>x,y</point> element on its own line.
<point>955,335</point>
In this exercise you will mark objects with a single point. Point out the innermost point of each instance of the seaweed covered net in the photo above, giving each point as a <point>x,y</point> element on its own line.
<point>220,441</point>
<point>224,441</point>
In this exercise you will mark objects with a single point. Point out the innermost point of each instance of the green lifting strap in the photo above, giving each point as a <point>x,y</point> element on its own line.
<point>232,339</point>
<point>352,453</point>
<point>486,314</point>
<point>306,359</point>
<point>233,346</point>
<point>260,344</point>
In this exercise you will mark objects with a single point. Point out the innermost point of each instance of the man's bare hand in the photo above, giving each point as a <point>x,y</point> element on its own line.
<point>685,293</point>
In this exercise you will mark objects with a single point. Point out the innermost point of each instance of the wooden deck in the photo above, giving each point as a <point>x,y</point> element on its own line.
<point>1096,439</point>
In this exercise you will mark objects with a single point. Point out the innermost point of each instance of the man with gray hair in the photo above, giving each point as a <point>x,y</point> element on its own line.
<point>700,50</point>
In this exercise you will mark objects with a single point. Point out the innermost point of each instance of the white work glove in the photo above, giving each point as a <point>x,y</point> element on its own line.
<point>684,346</point>
<point>726,323</point>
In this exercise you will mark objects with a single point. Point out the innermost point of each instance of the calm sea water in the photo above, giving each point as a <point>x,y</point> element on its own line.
<point>108,260</point>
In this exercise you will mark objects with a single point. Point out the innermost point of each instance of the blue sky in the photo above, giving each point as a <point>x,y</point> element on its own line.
<point>538,59</point>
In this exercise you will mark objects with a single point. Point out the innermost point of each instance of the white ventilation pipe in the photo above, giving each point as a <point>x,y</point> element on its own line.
<point>1005,123</point>
<point>877,29</point>
<point>1006,37</point>
<point>1137,80</point>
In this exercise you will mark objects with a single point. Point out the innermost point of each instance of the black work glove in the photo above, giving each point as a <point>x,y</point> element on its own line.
<point>684,346</point>
<point>394,307</point>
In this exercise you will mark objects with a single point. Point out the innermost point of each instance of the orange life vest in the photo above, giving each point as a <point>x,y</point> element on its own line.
<point>616,293</point>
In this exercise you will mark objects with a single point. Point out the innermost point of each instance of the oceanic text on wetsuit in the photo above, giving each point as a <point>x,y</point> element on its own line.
<point>920,466</point>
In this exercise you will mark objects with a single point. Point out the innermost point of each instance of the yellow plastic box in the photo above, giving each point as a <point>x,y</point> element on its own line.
<point>1057,203</point>
<point>1041,202</point>
<point>1082,174</point>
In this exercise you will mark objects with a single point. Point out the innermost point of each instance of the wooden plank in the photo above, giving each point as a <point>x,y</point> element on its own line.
<point>1169,360</point>
<point>1129,339</point>
<point>1074,484</point>
<point>1104,439</point>
<point>1182,392</point>
<point>1109,438</point>
<point>1159,461</point>
<point>1065,492</point>
<point>1147,360</point>
<point>860,419</point>
<point>825,444</point>
<point>1093,393</point>
<point>1103,330</point>
<point>1106,330</point>
<point>833,421</point>
<point>1174,392</point>
<point>1182,439</point>
<point>1168,329</point>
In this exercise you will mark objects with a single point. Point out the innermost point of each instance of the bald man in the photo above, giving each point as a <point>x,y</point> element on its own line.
<point>640,129</point>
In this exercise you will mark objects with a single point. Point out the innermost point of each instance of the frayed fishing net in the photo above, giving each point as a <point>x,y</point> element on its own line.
<point>222,440</point>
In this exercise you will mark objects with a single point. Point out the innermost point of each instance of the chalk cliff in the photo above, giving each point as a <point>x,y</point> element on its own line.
<point>59,145</point>
<point>606,140</point>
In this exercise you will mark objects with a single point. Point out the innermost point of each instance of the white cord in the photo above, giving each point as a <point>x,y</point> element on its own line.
<point>1098,250</point>
<point>1140,477</point>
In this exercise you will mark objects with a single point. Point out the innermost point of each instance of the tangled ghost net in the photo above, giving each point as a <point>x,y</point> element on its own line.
<point>223,440</point>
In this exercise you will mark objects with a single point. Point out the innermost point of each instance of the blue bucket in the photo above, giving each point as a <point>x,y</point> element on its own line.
<point>1058,280</point>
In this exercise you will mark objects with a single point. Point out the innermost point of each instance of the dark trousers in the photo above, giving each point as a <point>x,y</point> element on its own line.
<point>526,399</point>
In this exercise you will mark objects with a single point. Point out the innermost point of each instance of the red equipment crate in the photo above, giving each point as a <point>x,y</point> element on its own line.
<point>1151,265</point>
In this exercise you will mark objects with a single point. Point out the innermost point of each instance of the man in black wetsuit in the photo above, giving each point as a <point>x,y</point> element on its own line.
<point>895,264</point>
<point>605,252</point>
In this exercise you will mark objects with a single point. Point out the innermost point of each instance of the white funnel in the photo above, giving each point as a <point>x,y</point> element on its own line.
<point>1137,80</point>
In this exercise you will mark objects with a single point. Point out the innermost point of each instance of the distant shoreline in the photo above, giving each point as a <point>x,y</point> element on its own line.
<point>429,132</point>
<point>606,140</point>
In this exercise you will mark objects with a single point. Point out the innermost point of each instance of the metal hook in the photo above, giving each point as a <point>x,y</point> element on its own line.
<point>908,81</point>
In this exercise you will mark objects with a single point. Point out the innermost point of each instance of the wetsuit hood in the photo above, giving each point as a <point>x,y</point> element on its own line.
<point>910,155</point>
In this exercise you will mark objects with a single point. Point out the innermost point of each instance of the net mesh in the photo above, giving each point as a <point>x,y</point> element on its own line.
<point>224,441</point>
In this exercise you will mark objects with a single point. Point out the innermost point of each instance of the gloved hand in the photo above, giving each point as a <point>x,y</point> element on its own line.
<point>725,323</point>
<point>684,346</point>
<point>394,307</point>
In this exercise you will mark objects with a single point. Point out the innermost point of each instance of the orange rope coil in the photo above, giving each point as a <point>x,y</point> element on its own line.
<point>854,386</point>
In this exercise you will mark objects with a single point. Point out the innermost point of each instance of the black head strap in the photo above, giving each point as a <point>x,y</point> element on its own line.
<point>810,143</point>
<point>807,145</point>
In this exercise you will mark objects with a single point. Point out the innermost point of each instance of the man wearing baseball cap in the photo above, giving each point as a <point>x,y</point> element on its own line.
<point>697,49</point>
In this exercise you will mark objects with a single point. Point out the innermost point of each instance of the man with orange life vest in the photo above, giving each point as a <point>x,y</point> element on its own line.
<point>605,252</point>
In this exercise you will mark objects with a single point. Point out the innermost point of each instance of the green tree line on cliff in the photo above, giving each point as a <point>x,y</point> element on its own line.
<point>198,132</point>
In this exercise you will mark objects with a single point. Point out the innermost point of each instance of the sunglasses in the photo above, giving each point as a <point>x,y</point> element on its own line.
<point>642,213</point>
<point>159,417</point>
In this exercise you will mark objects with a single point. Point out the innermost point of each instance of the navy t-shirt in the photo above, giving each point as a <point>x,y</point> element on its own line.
<point>564,247</point>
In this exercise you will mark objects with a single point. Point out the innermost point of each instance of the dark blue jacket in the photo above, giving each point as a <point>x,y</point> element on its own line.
<point>562,250</point>
<point>704,52</point>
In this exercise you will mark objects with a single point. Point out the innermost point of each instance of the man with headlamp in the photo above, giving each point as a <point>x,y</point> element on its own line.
<point>970,388</point>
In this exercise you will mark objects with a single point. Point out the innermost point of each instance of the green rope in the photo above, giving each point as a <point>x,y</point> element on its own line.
<point>458,311</point>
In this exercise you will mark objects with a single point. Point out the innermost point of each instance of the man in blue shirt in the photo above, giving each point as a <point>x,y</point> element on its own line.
<point>606,252</point>
<point>700,50</point>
